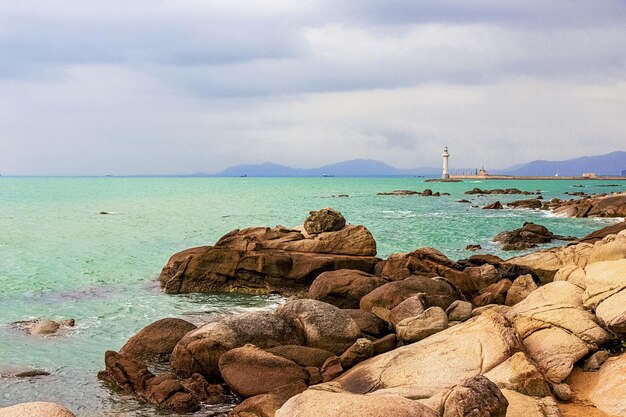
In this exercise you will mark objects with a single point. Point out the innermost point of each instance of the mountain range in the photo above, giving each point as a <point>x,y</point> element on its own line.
<point>610,164</point>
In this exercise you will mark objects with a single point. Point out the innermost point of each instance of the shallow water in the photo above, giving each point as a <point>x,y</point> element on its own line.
<point>60,258</point>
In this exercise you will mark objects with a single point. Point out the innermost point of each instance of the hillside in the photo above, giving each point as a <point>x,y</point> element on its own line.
<point>610,164</point>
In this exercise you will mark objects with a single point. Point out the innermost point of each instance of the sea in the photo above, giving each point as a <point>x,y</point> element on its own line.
<point>60,258</point>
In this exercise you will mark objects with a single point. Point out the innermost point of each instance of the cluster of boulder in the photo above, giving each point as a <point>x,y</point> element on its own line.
<point>426,193</point>
<point>602,205</point>
<point>416,334</point>
<point>526,237</point>
<point>43,327</point>
<point>502,191</point>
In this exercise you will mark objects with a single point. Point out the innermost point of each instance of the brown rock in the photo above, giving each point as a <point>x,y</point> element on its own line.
<point>385,344</point>
<point>473,248</point>
<point>361,350</point>
<point>595,361</point>
<point>44,327</point>
<point>411,307</point>
<point>369,323</point>
<point>266,405</point>
<point>459,311</point>
<point>158,339</point>
<point>528,236</point>
<point>431,321</point>
<point>199,351</point>
<point>331,369</point>
<point>343,288</point>
<point>324,220</point>
<point>36,409</point>
<point>493,294</point>
<point>521,288</point>
<point>533,203</point>
<point>251,371</point>
<point>323,325</point>
<point>598,206</point>
<point>302,355</point>
<point>493,206</point>
<point>438,293</point>
<point>208,393</point>
<point>477,396</point>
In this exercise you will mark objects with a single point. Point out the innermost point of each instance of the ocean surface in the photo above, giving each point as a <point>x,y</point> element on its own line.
<point>60,258</point>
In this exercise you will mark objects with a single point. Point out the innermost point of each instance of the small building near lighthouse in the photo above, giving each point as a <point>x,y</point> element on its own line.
<point>446,171</point>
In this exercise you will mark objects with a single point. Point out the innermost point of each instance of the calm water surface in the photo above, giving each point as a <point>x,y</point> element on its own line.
<point>59,258</point>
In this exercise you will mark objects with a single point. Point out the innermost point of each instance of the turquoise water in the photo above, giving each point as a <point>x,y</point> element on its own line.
<point>59,258</point>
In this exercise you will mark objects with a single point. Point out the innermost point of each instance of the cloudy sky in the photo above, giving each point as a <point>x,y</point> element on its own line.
<point>181,86</point>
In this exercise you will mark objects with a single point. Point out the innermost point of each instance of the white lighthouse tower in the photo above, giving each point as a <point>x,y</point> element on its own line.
<point>446,174</point>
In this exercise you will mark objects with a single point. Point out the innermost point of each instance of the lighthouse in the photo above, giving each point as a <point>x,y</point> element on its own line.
<point>445,175</point>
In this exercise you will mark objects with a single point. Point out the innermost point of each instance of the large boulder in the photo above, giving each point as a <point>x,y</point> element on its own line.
<point>35,409</point>
<point>521,288</point>
<point>261,260</point>
<point>519,373</point>
<point>556,330</point>
<point>251,371</point>
<point>266,405</point>
<point>199,351</point>
<point>608,393</point>
<point>521,405</point>
<point>302,355</point>
<point>321,325</point>
<point>369,323</point>
<point>344,288</point>
<point>477,396</point>
<point>439,362</point>
<point>320,402</point>
<point>438,292</point>
<point>158,339</point>
<point>431,321</point>
<point>324,220</point>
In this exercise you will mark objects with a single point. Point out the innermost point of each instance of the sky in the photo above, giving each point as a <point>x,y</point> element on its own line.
<point>92,87</point>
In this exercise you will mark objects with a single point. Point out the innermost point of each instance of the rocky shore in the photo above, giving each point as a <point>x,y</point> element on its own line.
<point>416,334</point>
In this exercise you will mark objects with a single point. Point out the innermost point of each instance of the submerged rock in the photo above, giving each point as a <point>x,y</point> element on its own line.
<point>528,236</point>
<point>36,409</point>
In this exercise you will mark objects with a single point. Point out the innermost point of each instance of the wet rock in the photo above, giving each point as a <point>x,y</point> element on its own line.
<point>322,325</point>
<point>36,409</point>
<point>493,206</point>
<point>438,293</point>
<point>199,351</point>
<point>251,371</point>
<point>343,288</point>
<point>20,372</point>
<point>520,289</point>
<point>528,236</point>
<point>473,248</point>
<point>208,393</point>
<point>431,321</point>
<point>324,220</point>
<point>158,339</point>
<point>44,327</point>
<point>427,192</point>
<point>533,203</point>
<point>400,192</point>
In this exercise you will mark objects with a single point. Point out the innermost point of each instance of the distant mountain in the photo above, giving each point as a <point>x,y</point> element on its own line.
<point>610,164</point>
<point>353,168</point>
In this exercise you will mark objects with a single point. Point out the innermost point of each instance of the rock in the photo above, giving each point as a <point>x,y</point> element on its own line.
<point>484,259</point>
<point>431,321</point>
<point>533,203</point>
<point>459,311</point>
<point>595,361</point>
<point>317,402</point>
<point>266,405</point>
<point>36,409</point>
<point>608,393</point>
<point>361,350</point>
<point>562,391</point>
<point>158,339</point>
<point>260,260</point>
<point>331,369</point>
<point>604,232</point>
<point>199,351</point>
<point>519,373</point>
<point>438,293</point>
<point>437,363</point>
<point>208,393</point>
<point>504,310</point>
<point>493,206</point>
<point>473,248</point>
<point>482,276</point>
<point>44,327</point>
<point>323,325</point>
<point>426,262</point>
<point>476,397</point>
<point>400,192</point>
<point>463,201</point>
<point>343,288</point>
<point>528,236</point>
<point>324,220</point>
<point>570,258</point>
<point>384,344</point>
<point>411,307</point>
<point>493,294</point>
<point>520,289</point>
<point>598,206</point>
<point>132,376</point>
<point>521,405</point>
<point>556,330</point>
<point>498,191</point>
<point>302,355</point>
<point>251,371</point>
<point>612,313</point>
<point>427,192</point>
<point>68,323</point>
<point>369,323</point>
